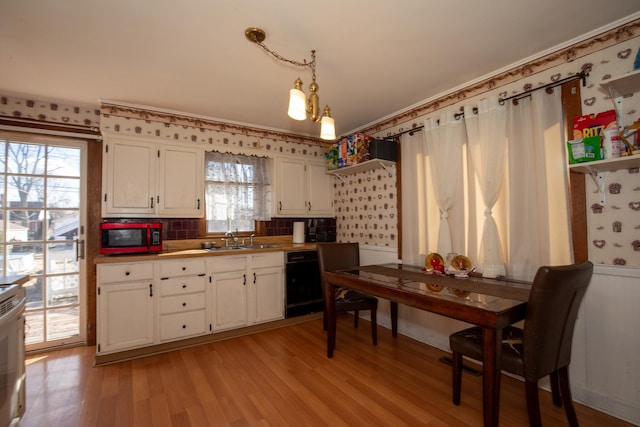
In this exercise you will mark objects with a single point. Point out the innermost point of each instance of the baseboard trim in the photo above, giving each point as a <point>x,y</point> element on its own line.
<point>121,356</point>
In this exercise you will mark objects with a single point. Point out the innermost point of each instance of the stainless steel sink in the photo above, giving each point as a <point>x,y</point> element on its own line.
<point>261,246</point>
<point>226,248</point>
<point>234,248</point>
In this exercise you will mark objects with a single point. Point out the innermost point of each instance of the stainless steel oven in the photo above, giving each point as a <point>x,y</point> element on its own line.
<point>303,285</point>
<point>12,372</point>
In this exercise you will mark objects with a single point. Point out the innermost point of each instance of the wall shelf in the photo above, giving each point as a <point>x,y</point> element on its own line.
<point>618,88</point>
<point>626,84</point>
<point>607,165</point>
<point>598,170</point>
<point>362,167</point>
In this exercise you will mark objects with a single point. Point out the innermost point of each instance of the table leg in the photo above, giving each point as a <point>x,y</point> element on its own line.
<point>394,318</point>
<point>330,311</point>
<point>492,346</point>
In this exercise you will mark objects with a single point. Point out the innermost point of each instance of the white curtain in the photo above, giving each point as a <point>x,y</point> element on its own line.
<point>445,138</point>
<point>238,187</point>
<point>416,207</point>
<point>539,221</point>
<point>524,200</point>
<point>487,139</point>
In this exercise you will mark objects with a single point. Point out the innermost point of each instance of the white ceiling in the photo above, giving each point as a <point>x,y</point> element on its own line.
<point>374,57</point>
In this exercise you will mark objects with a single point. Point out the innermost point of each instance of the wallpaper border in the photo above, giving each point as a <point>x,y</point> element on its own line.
<point>149,114</point>
<point>562,56</point>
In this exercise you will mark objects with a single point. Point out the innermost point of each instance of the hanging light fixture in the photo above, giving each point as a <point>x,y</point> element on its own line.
<point>299,105</point>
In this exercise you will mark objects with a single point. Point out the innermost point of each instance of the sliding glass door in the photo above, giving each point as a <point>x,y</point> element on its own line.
<point>42,202</point>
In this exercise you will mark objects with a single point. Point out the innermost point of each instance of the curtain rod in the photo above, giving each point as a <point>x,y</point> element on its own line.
<point>20,124</point>
<point>582,75</point>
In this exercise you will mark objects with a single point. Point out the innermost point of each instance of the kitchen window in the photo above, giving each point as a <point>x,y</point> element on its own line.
<point>237,192</point>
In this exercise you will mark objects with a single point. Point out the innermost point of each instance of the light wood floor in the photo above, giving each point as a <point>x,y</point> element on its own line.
<point>275,378</point>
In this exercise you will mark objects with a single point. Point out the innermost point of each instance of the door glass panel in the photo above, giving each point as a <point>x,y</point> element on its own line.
<point>26,158</point>
<point>63,193</point>
<point>63,161</point>
<point>24,225</point>
<point>25,191</point>
<point>62,323</point>
<point>34,292</point>
<point>62,290</point>
<point>62,225</point>
<point>34,327</point>
<point>61,258</point>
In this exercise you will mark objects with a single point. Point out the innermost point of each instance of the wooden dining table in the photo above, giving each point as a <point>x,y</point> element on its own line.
<point>492,304</point>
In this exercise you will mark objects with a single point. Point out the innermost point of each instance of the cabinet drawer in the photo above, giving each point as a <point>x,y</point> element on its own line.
<point>182,285</point>
<point>269,259</point>
<point>182,325</point>
<point>125,272</point>
<point>228,263</point>
<point>182,303</point>
<point>182,267</point>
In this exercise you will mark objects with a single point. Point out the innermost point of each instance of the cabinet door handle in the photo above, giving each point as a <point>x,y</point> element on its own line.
<point>198,204</point>
<point>184,304</point>
<point>254,278</point>
<point>126,273</point>
<point>280,204</point>
<point>244,279</point>
<point>184,326</point>
<point>309,206</point>
<point>184,286</point>
<point>150,289</point>
<point>152,203</point>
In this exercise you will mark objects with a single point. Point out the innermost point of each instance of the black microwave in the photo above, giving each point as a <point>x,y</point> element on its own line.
<point>130,237</point>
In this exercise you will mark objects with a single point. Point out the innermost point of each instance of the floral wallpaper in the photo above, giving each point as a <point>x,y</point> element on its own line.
<point>613,226</point>
<point>50,111</point>
<point>365,206</point>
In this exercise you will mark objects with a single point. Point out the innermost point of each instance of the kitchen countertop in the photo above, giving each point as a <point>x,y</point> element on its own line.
<point>191,249</point>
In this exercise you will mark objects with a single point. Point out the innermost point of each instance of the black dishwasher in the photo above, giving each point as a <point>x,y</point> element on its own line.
<point>304,287</point>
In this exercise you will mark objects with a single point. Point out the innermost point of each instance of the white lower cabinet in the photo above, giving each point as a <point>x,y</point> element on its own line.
<point>267,291</point>
<point>246,289</point>
<point>228,277</point>
<point>140,304</point>
<point>182,311</point>
<point>125,306</point>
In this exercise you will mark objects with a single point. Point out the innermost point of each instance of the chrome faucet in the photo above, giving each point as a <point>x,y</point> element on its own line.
<point>234,238</point>
<point>251,239</point>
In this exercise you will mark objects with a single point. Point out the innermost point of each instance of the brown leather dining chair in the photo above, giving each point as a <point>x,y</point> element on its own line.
<point>333,256</point>
<point>543,346</point>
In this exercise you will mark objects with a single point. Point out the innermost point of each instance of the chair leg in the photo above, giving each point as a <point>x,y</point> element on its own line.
<point>555,388</point>
<point>565,390</point>
<point>456,379</point>
<point>533,403</point>
<point>356,315</point>
<point>324,320</point>
<point>374,327</point>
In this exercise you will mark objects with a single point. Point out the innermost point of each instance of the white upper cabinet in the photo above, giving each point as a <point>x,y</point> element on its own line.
<point>319,190</point>
<point>143,178</point>
<point>128,178</point>
<point>303,188</point>
<point>181,182</point>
